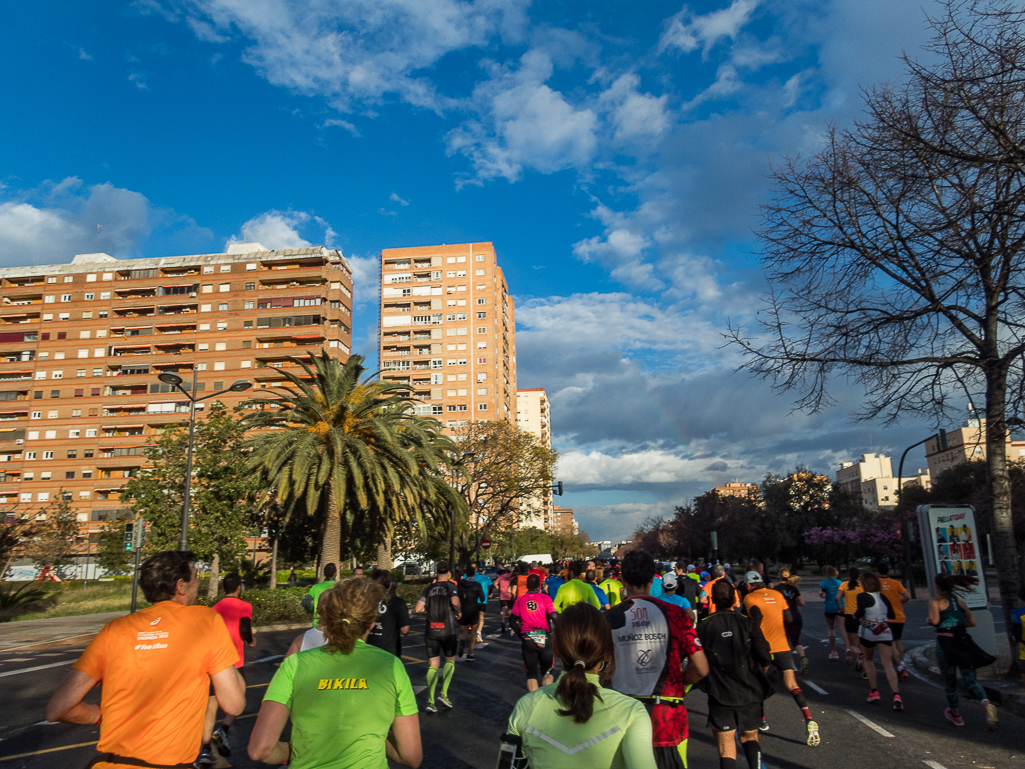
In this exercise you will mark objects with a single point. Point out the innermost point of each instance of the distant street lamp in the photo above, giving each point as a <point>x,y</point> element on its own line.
<point>176,381</point>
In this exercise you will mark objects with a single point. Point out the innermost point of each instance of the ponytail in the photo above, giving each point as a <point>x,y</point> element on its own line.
<point>348,610</point>
<point>852,578</point>
<point>584,641</point>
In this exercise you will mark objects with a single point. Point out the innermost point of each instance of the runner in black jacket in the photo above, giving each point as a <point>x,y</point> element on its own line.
<point>736,684</point>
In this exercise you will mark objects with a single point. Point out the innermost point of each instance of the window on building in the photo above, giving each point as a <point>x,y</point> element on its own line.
<point>76,412</point>
<point>225,268</point>
<point>90,297</point>
<point>47,455</point>
<point>51,278</point>
<point>101,314</point>
<point>65,297</point>
<point>247,324</point>
<point>69,475</point>
<point>247,344</point>
<point>250,286</point>
<point>222,307</point>
<point>208,269</point>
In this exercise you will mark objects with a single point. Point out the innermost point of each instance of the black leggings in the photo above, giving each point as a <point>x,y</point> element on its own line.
<point>535,657</point>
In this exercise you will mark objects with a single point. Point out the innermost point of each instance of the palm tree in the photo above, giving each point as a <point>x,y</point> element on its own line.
<point>346,445</point>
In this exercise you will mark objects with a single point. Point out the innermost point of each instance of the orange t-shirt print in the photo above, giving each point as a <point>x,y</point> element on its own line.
<point>155,666</point>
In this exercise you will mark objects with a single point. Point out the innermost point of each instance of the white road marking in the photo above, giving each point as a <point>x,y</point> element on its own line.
<point>37,667</point>
<point>933,764</point>
<point>418,689</point>
<point>815,686</point>
<point>267,659</point>
<point>869,724</point>
<point>45,723</point>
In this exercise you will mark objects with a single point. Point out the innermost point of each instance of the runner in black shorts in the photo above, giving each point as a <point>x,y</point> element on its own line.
<point>471,595</point>
<point>533,618</point>
<point>441,602</point>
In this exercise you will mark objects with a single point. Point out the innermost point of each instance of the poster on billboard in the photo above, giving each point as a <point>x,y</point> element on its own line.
<point>950,544</point>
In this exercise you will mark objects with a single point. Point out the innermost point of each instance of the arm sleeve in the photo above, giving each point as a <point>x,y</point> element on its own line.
<point>862,602</point>
<point>245,629</point>
<point>280,688</point>
<point>755,613</point>
<point>760,649</point>
<point>93,661</point>
<point>405,700</point>
<point>636,744</point>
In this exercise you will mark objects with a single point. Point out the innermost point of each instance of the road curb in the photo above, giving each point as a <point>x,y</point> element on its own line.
<point>1007,698</point>
<point>292,626</point>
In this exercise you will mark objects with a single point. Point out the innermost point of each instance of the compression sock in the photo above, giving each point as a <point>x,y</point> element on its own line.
<point>753,751</point>
<point>446,677</point>
<point>802,703</point>
<point>432,683</point>
<point>727,763</point>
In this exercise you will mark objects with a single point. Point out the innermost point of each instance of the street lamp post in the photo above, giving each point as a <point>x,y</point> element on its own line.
<point>176,381</point>
<point>467,456</point>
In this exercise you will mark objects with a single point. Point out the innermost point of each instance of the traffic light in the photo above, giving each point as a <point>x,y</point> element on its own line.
<point>558,488</point>
<point>129,536</point>
<point>941,438</point>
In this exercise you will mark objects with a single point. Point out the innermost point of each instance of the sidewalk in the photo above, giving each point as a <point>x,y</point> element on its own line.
<point>78,631</point>
<point>74,630</point>
<point>1007,693</point>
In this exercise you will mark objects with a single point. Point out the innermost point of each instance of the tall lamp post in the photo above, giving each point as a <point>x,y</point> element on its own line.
<point>176,381</point>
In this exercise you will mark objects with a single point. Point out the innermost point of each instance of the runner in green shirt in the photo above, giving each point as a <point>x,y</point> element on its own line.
<point>343,698</point>
<point>613,730</point>
<point>576,590</point>
<point>613,589</point>
<point>314,592</point>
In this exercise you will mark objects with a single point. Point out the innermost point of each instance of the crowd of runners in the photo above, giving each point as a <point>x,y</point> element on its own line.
<point>610,651</point>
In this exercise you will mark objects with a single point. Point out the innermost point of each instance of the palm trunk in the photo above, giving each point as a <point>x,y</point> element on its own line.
<point>330,548</point>
<point>1005,550</point>
<point>274,563</point>
<point>215,577</point>
<point>384,553</point>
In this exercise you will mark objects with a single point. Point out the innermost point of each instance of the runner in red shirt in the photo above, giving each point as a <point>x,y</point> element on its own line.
<point>238,618</point>
<point>653,639</point>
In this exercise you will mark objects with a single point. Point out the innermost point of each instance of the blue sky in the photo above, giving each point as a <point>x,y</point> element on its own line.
<point>615,153</point>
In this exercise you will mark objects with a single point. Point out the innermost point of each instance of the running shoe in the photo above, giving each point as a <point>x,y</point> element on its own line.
<point>898,703</point>
<point>834,655</point>
<point>850,656</point>
<point>992,721</point>
<point>864,675</point>
<point>220,739</point>
<point>813,734</point>
<point>445,701</point>
<point>479,639</point>
<point>858,666</point>
<point>953,717</point>
<point>804,665</point>
<point>430,708</point>
<point>470,657</point>
<point>873,695</point>
<point>462,649</point>
<point>206,759</point>
<point>902,673</point>
<point>764,725</point>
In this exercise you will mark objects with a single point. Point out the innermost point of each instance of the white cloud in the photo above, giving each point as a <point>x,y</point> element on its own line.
<point>138,80</point>
<point>653,466</point>
<point>280,229</point>
<point>343,124</point>
<point>356,52</point>
<point>525,123</point>
<point>635,116</point>
<point>366,276</point>
<point>83,55</point>
<point>394,197</point>
<point>687,31</point>
<point>52,223</point>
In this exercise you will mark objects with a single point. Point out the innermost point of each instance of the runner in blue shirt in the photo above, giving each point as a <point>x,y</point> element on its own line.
<point>602,598</point>
<point>669,584</point>
<point>485,584</point>
<point>554,582</point>
<point>828,588</point>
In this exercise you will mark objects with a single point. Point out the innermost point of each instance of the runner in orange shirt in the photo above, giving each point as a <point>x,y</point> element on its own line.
<point>156,667</point>
<point>897,595</point>
<point>769,609</point>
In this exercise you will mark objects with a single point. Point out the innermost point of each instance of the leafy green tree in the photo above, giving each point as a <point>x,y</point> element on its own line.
<point>792,505</point>
<point>344,446</point>
<point>16,528</point>
<point>51,541</point>
<point>223,491</point>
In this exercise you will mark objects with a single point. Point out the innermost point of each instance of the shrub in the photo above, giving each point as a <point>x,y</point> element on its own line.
<point>277,607</point>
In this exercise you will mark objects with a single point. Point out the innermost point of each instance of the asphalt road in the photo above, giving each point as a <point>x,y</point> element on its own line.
<point>854,733</point>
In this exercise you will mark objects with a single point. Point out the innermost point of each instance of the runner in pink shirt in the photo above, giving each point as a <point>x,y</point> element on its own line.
<point>533,618</point>
<point>505,582</point>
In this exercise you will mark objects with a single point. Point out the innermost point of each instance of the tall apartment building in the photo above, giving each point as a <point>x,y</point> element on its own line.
<point>564,522</point>
<point>448,331</point>
<point>966,442</point>
<point>82,344</point>
<point>533,413</point>
<point>871,480</point>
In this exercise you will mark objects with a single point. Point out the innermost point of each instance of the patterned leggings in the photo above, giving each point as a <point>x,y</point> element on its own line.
<point>950,681</point>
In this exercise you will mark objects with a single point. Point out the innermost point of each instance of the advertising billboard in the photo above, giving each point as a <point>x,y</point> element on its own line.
<point>950,544</point>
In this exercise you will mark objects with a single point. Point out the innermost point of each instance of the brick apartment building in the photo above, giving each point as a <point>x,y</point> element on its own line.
<point>534,414</point>
<point>82,344</point>
<point>448,331</point>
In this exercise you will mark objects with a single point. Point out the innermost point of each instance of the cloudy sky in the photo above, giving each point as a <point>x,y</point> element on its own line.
<point>616,154</point>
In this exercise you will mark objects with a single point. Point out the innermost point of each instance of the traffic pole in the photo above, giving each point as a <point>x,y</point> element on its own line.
<point>137,546</point>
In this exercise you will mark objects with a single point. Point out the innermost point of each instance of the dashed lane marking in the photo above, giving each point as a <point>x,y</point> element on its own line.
<point>933,764</point>
<point>267,659</point>
<point>37,667</point>
<point>870,724</point>
<point>418,689</point>
<point>815,686</point>
<point>47,750</point>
